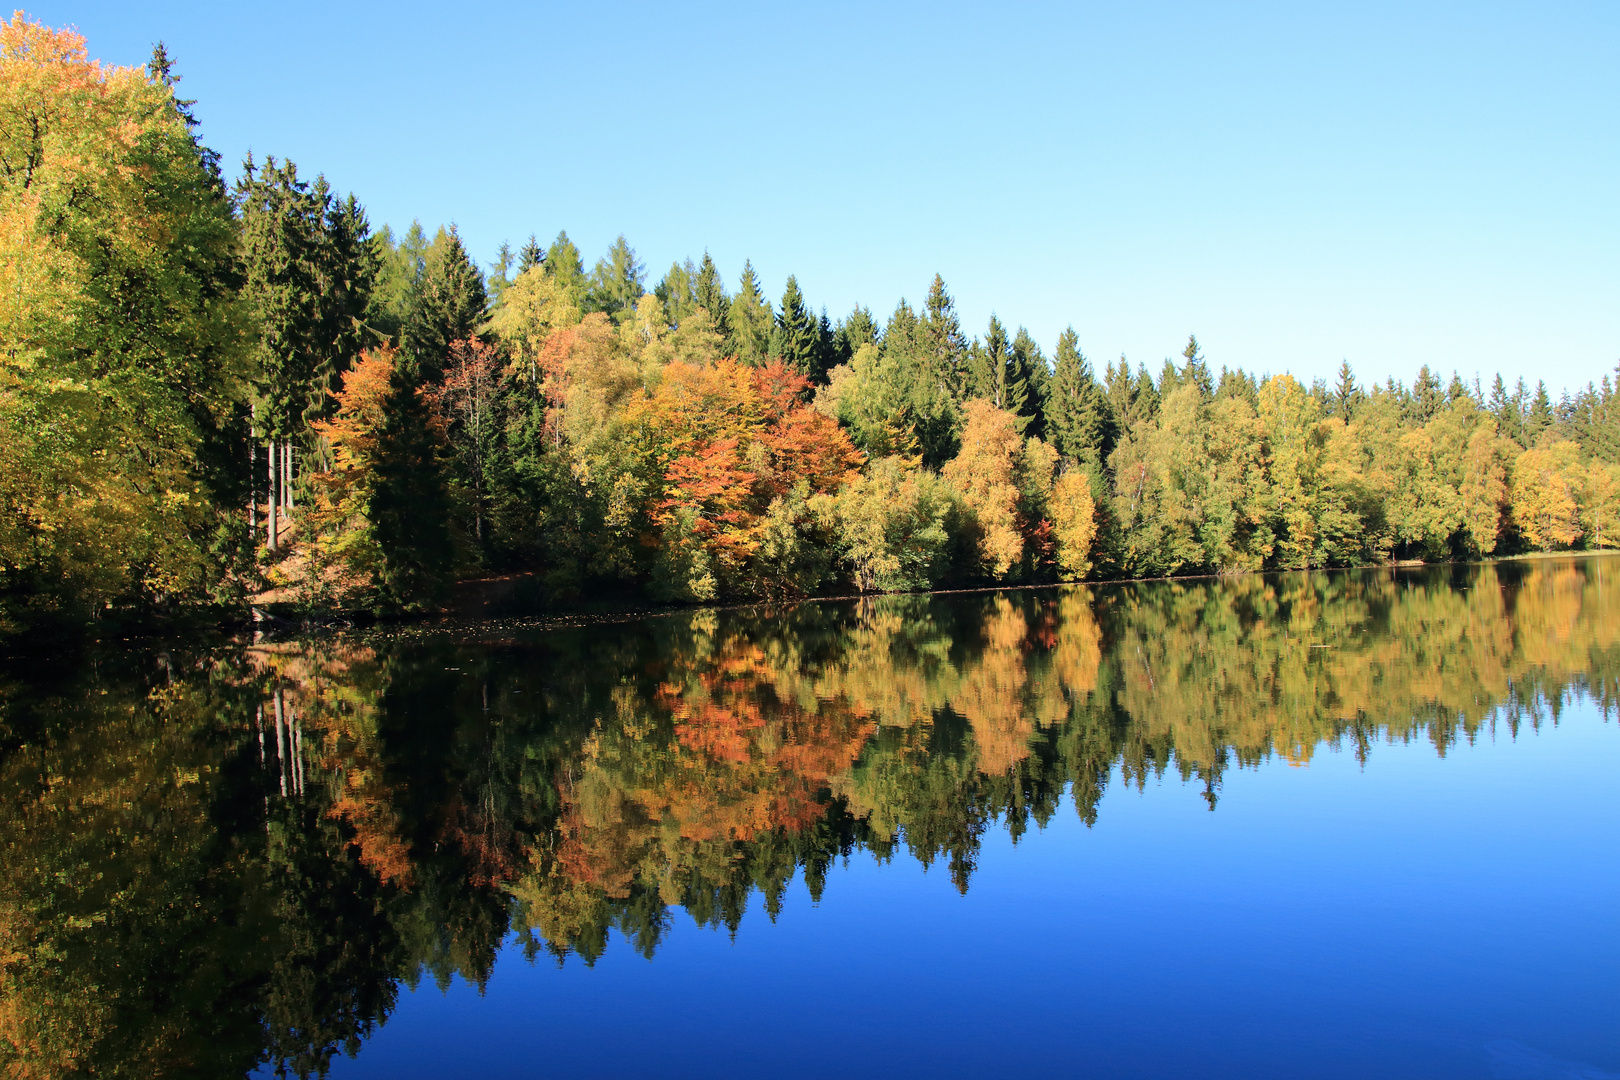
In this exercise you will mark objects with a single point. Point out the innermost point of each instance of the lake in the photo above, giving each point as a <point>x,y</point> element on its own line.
<point>1358,824</point>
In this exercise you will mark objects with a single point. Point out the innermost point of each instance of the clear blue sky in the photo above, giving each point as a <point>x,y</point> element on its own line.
<point>1395,184</point>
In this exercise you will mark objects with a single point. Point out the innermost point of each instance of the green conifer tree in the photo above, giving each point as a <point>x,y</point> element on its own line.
<point>1078,419</point>
<point>678,292</point>
<point>410,508</point>
<point>564,263</point>
<point>617,282</point>
<point>1345,394</point>
<point>449,304</point>
<point>1541,415</point>
<point>829,350</point>
<point>1194,369</point>
<point>944,348</point>
<point>530,255</point>
<point>1030,364</point>
<point>854,330</point>
<point>282,226</point>
<point>751,320</point>
<point>1426,398</point>
<point>710,292</point>
<point>795,339</point>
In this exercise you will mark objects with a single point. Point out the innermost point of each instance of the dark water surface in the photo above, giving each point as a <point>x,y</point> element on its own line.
<point>1315,825</point>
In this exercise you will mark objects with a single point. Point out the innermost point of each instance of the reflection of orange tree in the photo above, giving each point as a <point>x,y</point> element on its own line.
<point>332,690</point>
<point>677,794</point>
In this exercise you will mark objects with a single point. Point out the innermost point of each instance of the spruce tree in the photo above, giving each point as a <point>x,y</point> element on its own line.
<point>409,509</point>
<point>563,262</point>
<point>1033,371</point>
<point>1426,397</point>
<point>1077,418</point>
<point>710,293</point>
<point>795,339</point>
<point>530,256</point>
<point>1541,416</point>
<point>617,282</point>
<point>1345,393</point>
<point>751,319</point>
<point>945,349</point>
<point>1194,369</point>
<point>1145,397</point>
<point>282,226</point>
<point>829,350</point>
<point>449,304</point>
<point>854,330</point>
<point>347,274</point>
<point>678,292</point>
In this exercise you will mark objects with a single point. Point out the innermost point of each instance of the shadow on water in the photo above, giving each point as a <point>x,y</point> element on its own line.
<point>215,861</point>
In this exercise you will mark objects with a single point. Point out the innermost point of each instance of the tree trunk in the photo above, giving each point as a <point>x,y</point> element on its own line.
<point>270,516</point>
<point>286,475</point>
<point>253,485</point>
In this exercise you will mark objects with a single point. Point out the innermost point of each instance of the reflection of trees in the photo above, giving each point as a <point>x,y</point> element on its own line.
<point>228,859</point>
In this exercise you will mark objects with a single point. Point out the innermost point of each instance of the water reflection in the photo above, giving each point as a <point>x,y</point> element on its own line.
<point>217,860</point>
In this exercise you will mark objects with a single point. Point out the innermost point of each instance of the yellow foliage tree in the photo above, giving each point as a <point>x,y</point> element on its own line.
<point>984,472</point>
<point>1547,483</point>
<point>120,351</point>
<point>1074,524</point>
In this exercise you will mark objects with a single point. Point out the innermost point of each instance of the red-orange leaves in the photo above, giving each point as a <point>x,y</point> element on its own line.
<point>734,442</point>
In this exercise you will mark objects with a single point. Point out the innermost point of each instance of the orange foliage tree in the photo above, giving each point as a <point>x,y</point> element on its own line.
<point>742,458</point>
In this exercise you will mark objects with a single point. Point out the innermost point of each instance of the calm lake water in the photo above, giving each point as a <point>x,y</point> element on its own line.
<point>1315,825</point>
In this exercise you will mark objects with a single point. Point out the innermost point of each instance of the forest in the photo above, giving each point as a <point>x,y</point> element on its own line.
<point>217,393</point>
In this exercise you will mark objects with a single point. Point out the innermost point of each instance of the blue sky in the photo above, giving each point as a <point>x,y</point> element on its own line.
<point>1392,184</point>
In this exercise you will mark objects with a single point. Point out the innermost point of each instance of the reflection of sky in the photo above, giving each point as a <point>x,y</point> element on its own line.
<point>1424,917</point>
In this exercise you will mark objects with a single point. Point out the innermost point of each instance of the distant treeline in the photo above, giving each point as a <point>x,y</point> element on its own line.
<point>211,392</point>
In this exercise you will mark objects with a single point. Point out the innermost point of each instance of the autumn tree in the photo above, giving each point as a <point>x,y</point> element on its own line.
<point>122,426</point>
<point>985,473</point>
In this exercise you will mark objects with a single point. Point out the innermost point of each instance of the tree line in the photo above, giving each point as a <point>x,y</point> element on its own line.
<point>213,391</point>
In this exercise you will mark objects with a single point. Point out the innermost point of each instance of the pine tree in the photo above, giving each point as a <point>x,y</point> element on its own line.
<point>795,339</point>
<point>751,320</point>
<point>449,304</point>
